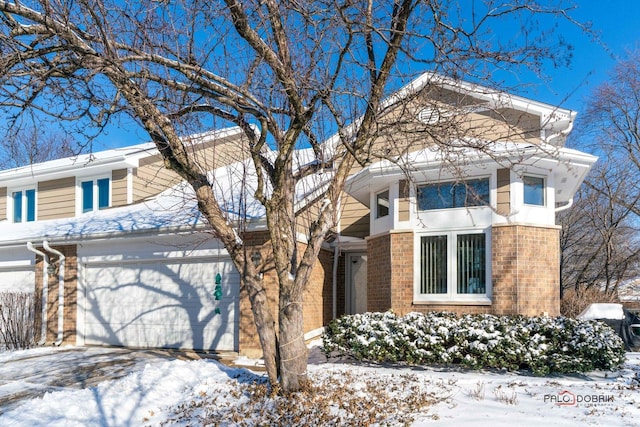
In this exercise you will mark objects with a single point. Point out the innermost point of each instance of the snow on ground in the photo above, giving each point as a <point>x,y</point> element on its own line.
<point>155,394</point>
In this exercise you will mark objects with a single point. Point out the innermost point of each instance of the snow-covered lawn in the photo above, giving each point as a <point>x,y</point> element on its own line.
<point>206,392</point>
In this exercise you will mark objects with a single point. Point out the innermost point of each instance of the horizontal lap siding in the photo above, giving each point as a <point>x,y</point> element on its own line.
<point>354,221</point>
<point>119,187</point>
<point>152,177</point>
<point>56,198</point>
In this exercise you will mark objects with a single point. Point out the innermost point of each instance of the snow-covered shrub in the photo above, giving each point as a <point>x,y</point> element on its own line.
<point>541,344</point>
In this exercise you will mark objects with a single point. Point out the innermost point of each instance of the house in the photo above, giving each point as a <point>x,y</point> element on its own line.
<point>117,254</point>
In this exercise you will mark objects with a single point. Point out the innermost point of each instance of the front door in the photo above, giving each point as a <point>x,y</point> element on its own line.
<point>356,273</point>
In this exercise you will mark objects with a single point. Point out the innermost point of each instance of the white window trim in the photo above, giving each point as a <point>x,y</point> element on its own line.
<point>377,214</point>
<point>10,204</point>
<point>80,180</point>
<point>452,297</point>
<point>544,190</point>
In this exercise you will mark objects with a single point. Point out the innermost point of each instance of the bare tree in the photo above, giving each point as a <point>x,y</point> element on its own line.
<point>289,74</point>
<point>600,238</point>
<point>33,145</point>
<point>612,125</point>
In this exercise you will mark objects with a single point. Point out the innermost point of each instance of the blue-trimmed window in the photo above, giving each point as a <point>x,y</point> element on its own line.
<point>24,205</point>
<point>449,195</point>
<point>95,194</point>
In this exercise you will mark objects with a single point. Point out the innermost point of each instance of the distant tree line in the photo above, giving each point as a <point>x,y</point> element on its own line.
<point>600,240</point>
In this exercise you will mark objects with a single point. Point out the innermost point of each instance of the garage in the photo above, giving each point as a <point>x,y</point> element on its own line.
<point>158,293</point>
<point>17,272</point>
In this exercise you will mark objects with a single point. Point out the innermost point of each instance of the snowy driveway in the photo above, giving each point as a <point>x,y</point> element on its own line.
<point>25,375</point>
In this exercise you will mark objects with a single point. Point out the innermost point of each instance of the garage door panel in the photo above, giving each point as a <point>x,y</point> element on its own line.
<point>158,304</point>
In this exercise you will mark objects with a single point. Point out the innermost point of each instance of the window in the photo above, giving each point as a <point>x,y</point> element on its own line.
<point>447,195</point>
<point>533,190</point>
<point>382,204</point>
<point>452,266</point>
<point>24,205</point>
<point>95,194</point>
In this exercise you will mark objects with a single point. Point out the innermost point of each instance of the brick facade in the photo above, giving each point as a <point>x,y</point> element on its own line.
<point>525,273</point>
<point>379,273</point>
<point>525,279</point>
<point>317,296</point>
<point>526,270</point>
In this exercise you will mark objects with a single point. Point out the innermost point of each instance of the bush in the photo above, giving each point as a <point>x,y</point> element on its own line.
<point>575,300</point>
<point>17,320</point>
<point>540,344</point>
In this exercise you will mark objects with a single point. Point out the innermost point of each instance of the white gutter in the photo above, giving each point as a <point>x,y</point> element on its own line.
<point>45,291</point>
<point>61,259</point>
<point>565,207</point>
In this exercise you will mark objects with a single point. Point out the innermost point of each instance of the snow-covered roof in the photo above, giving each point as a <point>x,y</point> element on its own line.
<point>97,162</point>
<point>173,210</point>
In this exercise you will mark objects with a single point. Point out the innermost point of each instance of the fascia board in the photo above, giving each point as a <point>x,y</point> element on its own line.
<point>252,225</point>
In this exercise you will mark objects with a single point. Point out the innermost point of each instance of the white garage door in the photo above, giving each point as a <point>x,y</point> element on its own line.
<point>166,302</point>
<point>17,279</point>
<point>17,270</point>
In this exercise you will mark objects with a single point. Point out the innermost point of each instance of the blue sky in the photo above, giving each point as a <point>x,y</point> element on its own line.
<point>616,22</point>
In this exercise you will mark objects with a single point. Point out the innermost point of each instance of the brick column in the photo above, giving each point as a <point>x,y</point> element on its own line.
<point>526,270</point>
<point>379,273</point>
<point>390,272</point>
<point>70,296</point>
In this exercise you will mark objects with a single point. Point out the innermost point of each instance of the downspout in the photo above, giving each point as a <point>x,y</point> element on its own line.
<point>45,291</point>
<point>334,278</point>
<point>565,207</point>
<point>61,259</point>
<point>334,272</point>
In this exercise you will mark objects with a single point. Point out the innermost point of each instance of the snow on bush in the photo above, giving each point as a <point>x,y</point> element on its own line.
<point>541,344</point>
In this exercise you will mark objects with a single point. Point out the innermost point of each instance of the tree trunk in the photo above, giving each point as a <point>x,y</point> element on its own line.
<point>265,325</point>
<point>293,351</point>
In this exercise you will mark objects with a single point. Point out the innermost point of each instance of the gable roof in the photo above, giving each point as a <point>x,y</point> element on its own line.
<point>172,211</point>
<point>100,161</point>
<point>555,122</point>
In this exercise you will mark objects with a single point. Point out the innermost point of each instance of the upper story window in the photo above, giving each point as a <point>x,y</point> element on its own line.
<point>448,195</point>
<point>96,194</point>
<point>382,204</point>
<point>23,205</point>
<point>533,190</point>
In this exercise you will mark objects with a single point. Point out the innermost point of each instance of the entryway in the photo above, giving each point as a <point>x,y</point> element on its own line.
<point>356,286</point>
